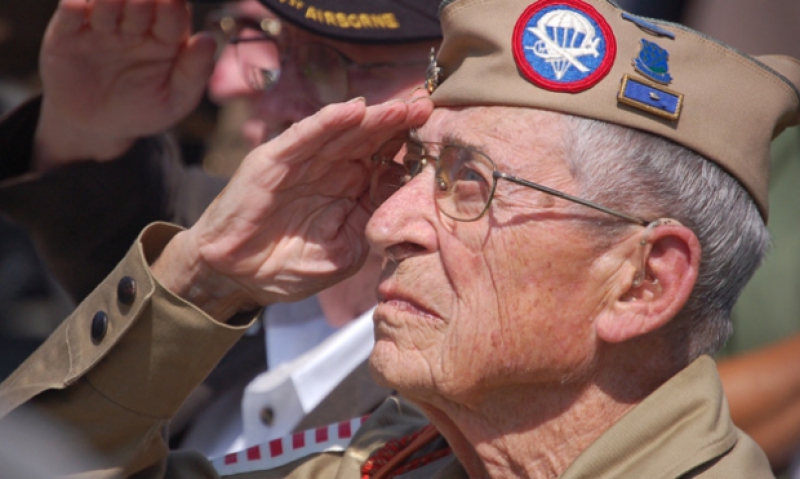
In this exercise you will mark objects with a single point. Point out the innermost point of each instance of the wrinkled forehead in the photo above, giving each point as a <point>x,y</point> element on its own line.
<point>511,136</point>
<point>494,124</point>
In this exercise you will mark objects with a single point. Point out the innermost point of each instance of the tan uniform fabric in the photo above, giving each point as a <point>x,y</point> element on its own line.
<point>120,390</point>
<point>683,430</point>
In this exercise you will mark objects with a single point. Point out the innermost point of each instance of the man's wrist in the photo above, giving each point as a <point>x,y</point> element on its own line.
<point>183,273</point>
<point>54,145</point>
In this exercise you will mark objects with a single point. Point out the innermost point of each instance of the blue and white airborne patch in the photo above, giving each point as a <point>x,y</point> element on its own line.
<point>651,98</point>
<point>563,45</point>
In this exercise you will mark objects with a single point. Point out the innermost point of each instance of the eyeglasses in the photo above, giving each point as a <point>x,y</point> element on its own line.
<point>264,47</point>
<point>465,179</point>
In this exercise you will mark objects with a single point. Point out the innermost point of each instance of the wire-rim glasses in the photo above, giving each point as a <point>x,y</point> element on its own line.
<point>264,47</point>
<point>465,178</point>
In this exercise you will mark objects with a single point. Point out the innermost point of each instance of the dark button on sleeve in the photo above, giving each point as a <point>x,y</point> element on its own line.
<point>126,290</point>
<point>99,326</point>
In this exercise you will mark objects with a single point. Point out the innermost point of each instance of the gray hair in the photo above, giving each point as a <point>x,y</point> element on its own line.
<point>649,176</point>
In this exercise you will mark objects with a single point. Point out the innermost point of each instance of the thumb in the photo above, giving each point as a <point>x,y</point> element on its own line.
<point>193,68</point>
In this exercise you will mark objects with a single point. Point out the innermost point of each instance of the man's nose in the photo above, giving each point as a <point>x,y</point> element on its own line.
<point>405,221</point>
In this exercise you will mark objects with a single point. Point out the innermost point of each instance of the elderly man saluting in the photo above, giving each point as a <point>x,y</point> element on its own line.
<point>563,240</point>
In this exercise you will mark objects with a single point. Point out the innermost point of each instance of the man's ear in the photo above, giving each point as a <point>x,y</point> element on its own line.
<point>666,268</point>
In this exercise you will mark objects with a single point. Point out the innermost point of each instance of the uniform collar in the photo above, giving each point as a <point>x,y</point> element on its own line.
<point>683,424</point>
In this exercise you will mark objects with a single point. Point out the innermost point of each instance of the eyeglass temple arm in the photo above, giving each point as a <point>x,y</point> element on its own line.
<point>574,199</point>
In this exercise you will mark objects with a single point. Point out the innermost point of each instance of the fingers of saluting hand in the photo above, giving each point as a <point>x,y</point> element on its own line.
<point>137,16</point>
<point>350,130</point>
<point>195,61</point>
<point>167,20</point>
<point>380,123</point>
<point>172,22</point>
<point>329,153</point>
<point>104,15</point>
<point>70,16</point>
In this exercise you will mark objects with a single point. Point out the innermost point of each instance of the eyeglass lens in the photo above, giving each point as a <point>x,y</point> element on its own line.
<point>325,71</point>
<point>262,58</point>
<point>463,182</point>
<point>259,58</point>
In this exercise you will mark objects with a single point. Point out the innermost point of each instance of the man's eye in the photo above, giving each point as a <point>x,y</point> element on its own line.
<point>396,175</point>
<point>469,174</point>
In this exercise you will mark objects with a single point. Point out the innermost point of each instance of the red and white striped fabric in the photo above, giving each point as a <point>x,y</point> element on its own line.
<point>276,453</point>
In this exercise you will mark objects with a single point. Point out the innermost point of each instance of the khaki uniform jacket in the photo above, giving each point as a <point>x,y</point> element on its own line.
<point>120,384</point>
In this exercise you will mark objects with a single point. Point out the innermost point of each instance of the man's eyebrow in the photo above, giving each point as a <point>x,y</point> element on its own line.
<point>448,139</point>
<point>454,139</point>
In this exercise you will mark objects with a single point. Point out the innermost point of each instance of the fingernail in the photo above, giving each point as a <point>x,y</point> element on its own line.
<point>422,98</point>
<point>358,98</point>
<point>416,92</point>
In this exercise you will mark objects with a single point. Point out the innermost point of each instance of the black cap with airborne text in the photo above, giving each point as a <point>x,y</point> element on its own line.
<point>362,21</point>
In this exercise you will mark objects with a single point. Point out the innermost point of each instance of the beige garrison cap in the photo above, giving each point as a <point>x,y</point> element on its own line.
<point>592,59</point>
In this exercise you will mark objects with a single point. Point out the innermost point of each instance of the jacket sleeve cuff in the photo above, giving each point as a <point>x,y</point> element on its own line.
<point>132,341</point>
<point>170,345</point>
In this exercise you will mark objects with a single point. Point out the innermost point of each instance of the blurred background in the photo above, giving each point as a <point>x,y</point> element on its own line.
<point>32,304</point>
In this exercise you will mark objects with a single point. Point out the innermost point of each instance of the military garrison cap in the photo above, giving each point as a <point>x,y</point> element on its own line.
<point>592,59</point>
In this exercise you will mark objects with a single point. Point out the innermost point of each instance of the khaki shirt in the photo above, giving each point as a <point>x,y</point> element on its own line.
<point>119,385</point>
<point>682,430</point>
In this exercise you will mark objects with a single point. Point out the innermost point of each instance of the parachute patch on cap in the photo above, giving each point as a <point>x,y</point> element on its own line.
<point>563,45</point>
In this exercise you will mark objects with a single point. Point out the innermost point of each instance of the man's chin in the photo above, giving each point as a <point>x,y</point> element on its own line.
<point>390,371</point>
<point>386,366</point>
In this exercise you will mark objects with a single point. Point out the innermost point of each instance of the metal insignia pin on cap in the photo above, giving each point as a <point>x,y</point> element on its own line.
<point>434,73</point>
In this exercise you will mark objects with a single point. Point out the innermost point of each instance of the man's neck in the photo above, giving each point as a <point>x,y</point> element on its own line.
<point>551,428</point>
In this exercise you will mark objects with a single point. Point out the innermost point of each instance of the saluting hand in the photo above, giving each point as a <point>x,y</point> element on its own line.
<point>291,221</point>
<point>114,71</point>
